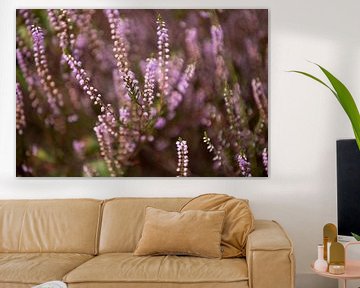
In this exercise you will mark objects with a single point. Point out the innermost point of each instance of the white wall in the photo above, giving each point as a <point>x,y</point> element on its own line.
<point>305,121</point>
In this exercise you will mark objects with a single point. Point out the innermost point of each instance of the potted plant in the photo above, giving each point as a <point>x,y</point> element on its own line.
<point>345,99</point>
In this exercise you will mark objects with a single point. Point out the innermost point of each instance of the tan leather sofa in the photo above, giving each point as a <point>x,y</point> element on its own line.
<point>89,243</point>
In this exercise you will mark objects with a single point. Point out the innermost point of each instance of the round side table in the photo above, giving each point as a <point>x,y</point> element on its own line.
<point>352,269</point>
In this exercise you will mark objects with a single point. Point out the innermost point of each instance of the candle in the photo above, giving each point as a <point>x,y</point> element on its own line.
<point>336,269</point>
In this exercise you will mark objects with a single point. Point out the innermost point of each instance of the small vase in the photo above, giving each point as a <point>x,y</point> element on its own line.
<point>320,264</point>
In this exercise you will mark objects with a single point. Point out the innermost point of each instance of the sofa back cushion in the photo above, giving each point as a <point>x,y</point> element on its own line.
<point>123,220</point>
<point>238,224</point>
<point>66,226</point>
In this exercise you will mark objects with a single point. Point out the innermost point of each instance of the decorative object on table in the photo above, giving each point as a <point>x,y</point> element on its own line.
<point>329,236</point>
<point>52,284</point>
<point>320,264</point>
<point>344,97</point>
<point>336,269</point>
<point>337,258</point>
<point>143,93</point>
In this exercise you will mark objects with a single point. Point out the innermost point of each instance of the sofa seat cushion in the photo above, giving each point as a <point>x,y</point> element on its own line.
<point>36,268</point>
<point>127,268</point>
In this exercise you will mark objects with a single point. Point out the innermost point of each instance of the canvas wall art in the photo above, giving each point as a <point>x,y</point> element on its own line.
<point>142,93</point>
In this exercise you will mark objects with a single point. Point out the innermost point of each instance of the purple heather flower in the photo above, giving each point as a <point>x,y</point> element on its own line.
<point>244,164</point>
<point>163,55</point>
<point>103,138</point>
<point>174,100</point>
<point>20,57</point>
<point>259,97</point>
<point>120,88</point>
<point>107,139</point>
<point>265,159</point>
<point>88,171</point>
<point>28,17</point>
<point>228,97</point>
<point>217,45</point>
<point>149,86</point>
<point>85,82</point>
<point>27,169</point>
<point>54,97</point>
<point>79,146</point>
<point>20,114</point>
<point>62,24</point>
<point>124,115</point>
<point>217,38</point>
<point>217,159</point>
<point>183,159</point>
<point>160,123</point>
<point>120,54</point>
<point>123,29</point>
<point>175,66</point>
<point>185,79</point>
<point>81,42</point>
<point>191,39</point>
<point>72,118</point>
<point>204,14</point>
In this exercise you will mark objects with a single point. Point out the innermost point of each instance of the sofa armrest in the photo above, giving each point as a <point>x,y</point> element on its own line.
<point>269,256</point>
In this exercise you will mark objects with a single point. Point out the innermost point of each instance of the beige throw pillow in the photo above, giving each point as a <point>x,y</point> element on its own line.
<point>239,221</point>
<point>194,232</point>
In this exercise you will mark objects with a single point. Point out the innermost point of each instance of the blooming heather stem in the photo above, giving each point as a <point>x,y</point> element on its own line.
<point>104,141</point>
<point>192,43</point>
<point>89,39</point>
<point>217,159</point>
<point>265,159</point>
<point>107,117</point>
<point>85,82</point>
<point>88,171</point>
<point>81,19</point>
<point>120,54</point>
<point>176,96</point>
<point>149,86</point>
<point>20,114</point>
<point>163,55</point>
<point>229,108</point>
<point>244,165</point>
<point>183,159</point>
<point>186,78</point>
<point>62,24</point>
<point>54,97</point>
<point>257,94</point>
<point>29,19</point>
<point>258,97</point>
<point>217,42</point>
<point>22,56</point>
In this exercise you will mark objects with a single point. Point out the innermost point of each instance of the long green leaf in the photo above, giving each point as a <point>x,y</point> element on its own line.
<point>344,97</point>
<point>357,237</point>
<point>357,137</point>
<point>316,79</point>
<point>347,101</point>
